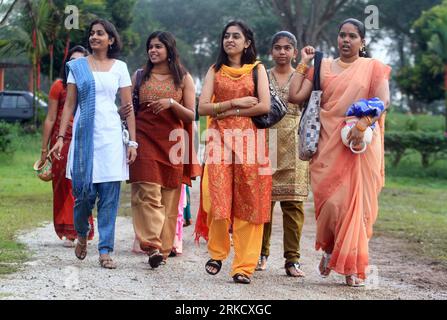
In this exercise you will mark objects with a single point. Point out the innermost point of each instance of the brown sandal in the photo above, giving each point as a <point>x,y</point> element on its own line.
<point>81,248</point>
<point>107,262</point>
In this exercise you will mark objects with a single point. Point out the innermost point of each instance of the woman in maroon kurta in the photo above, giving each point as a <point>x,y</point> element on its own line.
<point>165,115</point>
<point>63,200</point>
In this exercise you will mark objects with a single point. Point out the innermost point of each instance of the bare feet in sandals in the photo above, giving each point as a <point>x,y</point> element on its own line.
<point>81,248</point>
<point>354,281</point>
<point>293,269</point>
<point>106,261</point>
<point>323,266</point>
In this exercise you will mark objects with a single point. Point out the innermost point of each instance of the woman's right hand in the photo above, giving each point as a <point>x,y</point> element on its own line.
<point>43,156</point>
<point>307,54</point>
<point>57,148</point>
<point>245,102</point>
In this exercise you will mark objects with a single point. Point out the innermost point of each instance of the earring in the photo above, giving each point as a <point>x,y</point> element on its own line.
<point>110,46</point>
<point>294,60</point>
<point>245,51</point>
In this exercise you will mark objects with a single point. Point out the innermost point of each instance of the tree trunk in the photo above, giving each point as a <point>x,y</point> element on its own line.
<point>51,62</point>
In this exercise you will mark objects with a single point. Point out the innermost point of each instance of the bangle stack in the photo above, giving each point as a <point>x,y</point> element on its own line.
<point>216,109</point>
<point>132,144</point>
<point>60,136</point>
<point>302,68</point>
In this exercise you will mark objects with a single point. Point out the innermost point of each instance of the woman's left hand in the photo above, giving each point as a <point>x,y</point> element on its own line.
<point>160,105</point>
<point>131,155</point>
<point>356,136</point>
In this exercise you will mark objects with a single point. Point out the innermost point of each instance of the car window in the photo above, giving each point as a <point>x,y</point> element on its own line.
<point>22,103</point>
<point>9,101</point>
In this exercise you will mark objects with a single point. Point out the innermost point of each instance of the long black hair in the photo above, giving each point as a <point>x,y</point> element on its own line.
<point>178,71</point>
<point>115,48</point>
<point>77,48</point>
<point>248,56</point>
<point>362,32</point>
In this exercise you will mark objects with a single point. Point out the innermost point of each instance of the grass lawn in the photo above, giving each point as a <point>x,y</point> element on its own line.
<point>25,201</point>
<point>415,210</point>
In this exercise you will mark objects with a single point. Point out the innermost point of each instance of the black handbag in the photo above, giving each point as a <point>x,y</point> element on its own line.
<point>278,108</point>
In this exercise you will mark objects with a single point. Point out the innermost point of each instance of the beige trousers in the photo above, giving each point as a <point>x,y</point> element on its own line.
<point>155,211</point>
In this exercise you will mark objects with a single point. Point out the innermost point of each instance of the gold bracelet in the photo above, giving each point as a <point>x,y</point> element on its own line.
<point>302,68</point>
<point>43,150</point>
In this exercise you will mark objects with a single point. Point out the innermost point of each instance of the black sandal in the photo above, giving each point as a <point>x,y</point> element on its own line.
<point>155,258</point>
<point>216,264</point>
<point>241,278</point>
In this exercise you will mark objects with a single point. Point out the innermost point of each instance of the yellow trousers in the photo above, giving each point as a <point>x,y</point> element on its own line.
<point>247,242</point>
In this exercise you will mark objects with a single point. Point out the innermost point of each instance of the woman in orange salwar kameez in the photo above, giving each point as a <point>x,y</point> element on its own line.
<point>63,200</point>
<point>236,192</point>
<point>346,186</point>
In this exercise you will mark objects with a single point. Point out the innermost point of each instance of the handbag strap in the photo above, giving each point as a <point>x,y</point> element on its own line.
<point>317,69</point>
<point>255,80</point>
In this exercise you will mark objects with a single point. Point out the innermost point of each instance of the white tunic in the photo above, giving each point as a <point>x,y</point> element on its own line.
<point>109,151</point>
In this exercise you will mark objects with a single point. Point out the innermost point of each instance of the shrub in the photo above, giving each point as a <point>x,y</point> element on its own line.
<point>430,145</point>
<point>7,133</point>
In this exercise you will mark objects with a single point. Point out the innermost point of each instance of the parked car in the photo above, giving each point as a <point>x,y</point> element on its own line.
<point>18,106</point>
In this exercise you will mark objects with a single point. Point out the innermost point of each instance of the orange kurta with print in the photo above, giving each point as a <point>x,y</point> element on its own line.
<point>237,160</point>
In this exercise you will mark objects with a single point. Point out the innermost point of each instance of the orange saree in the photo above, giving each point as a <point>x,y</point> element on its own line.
<point>346,186</point>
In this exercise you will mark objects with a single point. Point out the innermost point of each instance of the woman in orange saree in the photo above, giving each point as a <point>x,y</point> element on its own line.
<point>346,186</point>
<point>236,182</point>
<point>63,200</point>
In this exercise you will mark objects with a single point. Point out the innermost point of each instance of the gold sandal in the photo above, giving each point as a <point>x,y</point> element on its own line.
<point>354,281</point>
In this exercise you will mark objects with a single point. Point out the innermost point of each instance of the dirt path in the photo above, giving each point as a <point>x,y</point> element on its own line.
<point>55,273</point>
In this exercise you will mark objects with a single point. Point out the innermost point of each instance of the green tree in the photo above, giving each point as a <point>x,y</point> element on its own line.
<point>432,27</point>
<point>29,38</point>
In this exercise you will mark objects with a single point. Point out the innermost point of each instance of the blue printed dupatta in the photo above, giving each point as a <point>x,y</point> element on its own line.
<point>83,140</point>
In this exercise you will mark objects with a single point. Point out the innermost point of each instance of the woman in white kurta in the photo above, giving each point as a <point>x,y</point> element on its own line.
<point>110,157</point>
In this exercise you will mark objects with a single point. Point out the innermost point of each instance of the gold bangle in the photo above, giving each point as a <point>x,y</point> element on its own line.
<point>214,109</point>
<point>43,150</point>
<point>360,127</point>
<point>302,68</point>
